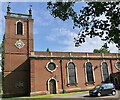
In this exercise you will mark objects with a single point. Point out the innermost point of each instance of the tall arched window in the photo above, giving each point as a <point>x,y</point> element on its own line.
<point>105,73</point>
<point>19,28</point>
<point>71,74</point>
<point>89,72</point>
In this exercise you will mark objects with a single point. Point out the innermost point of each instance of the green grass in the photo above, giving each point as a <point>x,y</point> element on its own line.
<point>42,96</point>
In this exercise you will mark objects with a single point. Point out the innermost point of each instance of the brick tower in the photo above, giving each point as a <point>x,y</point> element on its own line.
<point>18,44</point>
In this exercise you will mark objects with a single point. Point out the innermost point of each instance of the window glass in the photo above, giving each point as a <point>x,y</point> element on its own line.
<point>104,86</point>
<point>117,65</point>
<point>51,66</point>
<point>89,72</point>
<point>105,72</point>
<point>72,73</point>
<point>19,28</point>
<point>97,87</point>
<point>109,86</point>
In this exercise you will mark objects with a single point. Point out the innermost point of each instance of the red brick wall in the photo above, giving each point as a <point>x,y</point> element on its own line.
<point>34,74</point>
<point>40,75</point>
<point>16,67</point>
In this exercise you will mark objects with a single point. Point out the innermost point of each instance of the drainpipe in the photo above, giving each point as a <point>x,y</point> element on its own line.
<point>28,38</point>
<point>62,76</point>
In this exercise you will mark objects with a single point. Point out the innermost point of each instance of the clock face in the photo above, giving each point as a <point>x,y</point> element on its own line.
<point>19,44</point>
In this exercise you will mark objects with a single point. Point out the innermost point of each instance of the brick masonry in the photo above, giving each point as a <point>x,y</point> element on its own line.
<point>25,71</point>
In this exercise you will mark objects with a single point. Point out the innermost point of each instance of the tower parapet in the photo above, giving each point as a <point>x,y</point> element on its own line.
<point>19,15</point>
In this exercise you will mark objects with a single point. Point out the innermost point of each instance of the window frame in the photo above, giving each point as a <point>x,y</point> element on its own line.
<point>48,85</point>
<point>22,27</point>
<point>49,69</point>
<point>103,80</point>
<point>86,78</point>
<point>76,83</point>
<point>116,66</point>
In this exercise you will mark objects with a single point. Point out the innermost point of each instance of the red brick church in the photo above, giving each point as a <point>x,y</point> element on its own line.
<point>27,72</point>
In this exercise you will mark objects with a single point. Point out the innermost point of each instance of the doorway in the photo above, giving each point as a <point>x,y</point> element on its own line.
<point>52,85</point>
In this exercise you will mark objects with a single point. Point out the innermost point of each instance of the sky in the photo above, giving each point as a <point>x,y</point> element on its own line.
<point>49,32</point>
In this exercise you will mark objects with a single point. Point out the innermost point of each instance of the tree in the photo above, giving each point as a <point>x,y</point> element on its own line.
<point>3,55</point>
<point>102,50</point>
<point>48,50</point>
<point>89,22</point>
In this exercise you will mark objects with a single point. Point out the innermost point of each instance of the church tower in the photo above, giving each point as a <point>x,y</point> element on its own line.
<point>18,45</point>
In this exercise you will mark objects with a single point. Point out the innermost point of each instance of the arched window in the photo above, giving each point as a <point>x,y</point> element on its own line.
<point>19,28</point>
<point>117,65</point>
<point>71,74</point>
<point>105,73</point>
<point>89,72</point>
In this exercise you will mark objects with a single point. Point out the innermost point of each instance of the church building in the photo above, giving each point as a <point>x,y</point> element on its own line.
<point>29,72</point>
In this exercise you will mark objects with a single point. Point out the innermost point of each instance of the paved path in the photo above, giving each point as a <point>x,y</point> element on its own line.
<point>86,95</point>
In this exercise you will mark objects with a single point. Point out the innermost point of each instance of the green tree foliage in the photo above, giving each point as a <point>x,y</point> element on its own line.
<point>88,20</point>
<point>48,50</point>
<point>3,55</point>
<point>102,50</point>
<point>3,52</point>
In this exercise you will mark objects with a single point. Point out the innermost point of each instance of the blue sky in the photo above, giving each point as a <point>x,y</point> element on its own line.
<point>49,32</point>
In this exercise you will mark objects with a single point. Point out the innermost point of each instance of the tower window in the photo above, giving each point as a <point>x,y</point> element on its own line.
<point>19,28</point>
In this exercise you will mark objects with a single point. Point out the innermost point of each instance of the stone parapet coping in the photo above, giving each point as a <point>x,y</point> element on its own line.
<point>74,55</point>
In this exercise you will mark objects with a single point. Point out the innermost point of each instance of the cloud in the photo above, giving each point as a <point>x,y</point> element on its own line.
<point>61,36</point>
<point>65,37</point>
<point>89,46</point>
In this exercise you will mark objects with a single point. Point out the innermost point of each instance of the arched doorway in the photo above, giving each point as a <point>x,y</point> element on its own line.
<point>52,85</point>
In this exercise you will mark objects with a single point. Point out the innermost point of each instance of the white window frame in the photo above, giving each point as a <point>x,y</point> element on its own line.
<point>103,80</point>
<point>22,27</point>
<point>51,61</point>
<point>75,73</point>
<point>86,79</point>
<point>48,85</point>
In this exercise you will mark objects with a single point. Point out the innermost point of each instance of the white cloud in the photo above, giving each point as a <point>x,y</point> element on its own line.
<point>61,36</point>
<point>90,45</point>
<point>69,46</point>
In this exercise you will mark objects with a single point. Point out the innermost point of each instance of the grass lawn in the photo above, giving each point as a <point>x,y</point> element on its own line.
<point>42,96</point>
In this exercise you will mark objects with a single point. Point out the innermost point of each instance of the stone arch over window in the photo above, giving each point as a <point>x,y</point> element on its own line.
<point>105,72</point>
<point>71,73</point>
<point>19,28</point>
<point>51,66</point>
<point>89,73</point>
<point>49,85</point>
